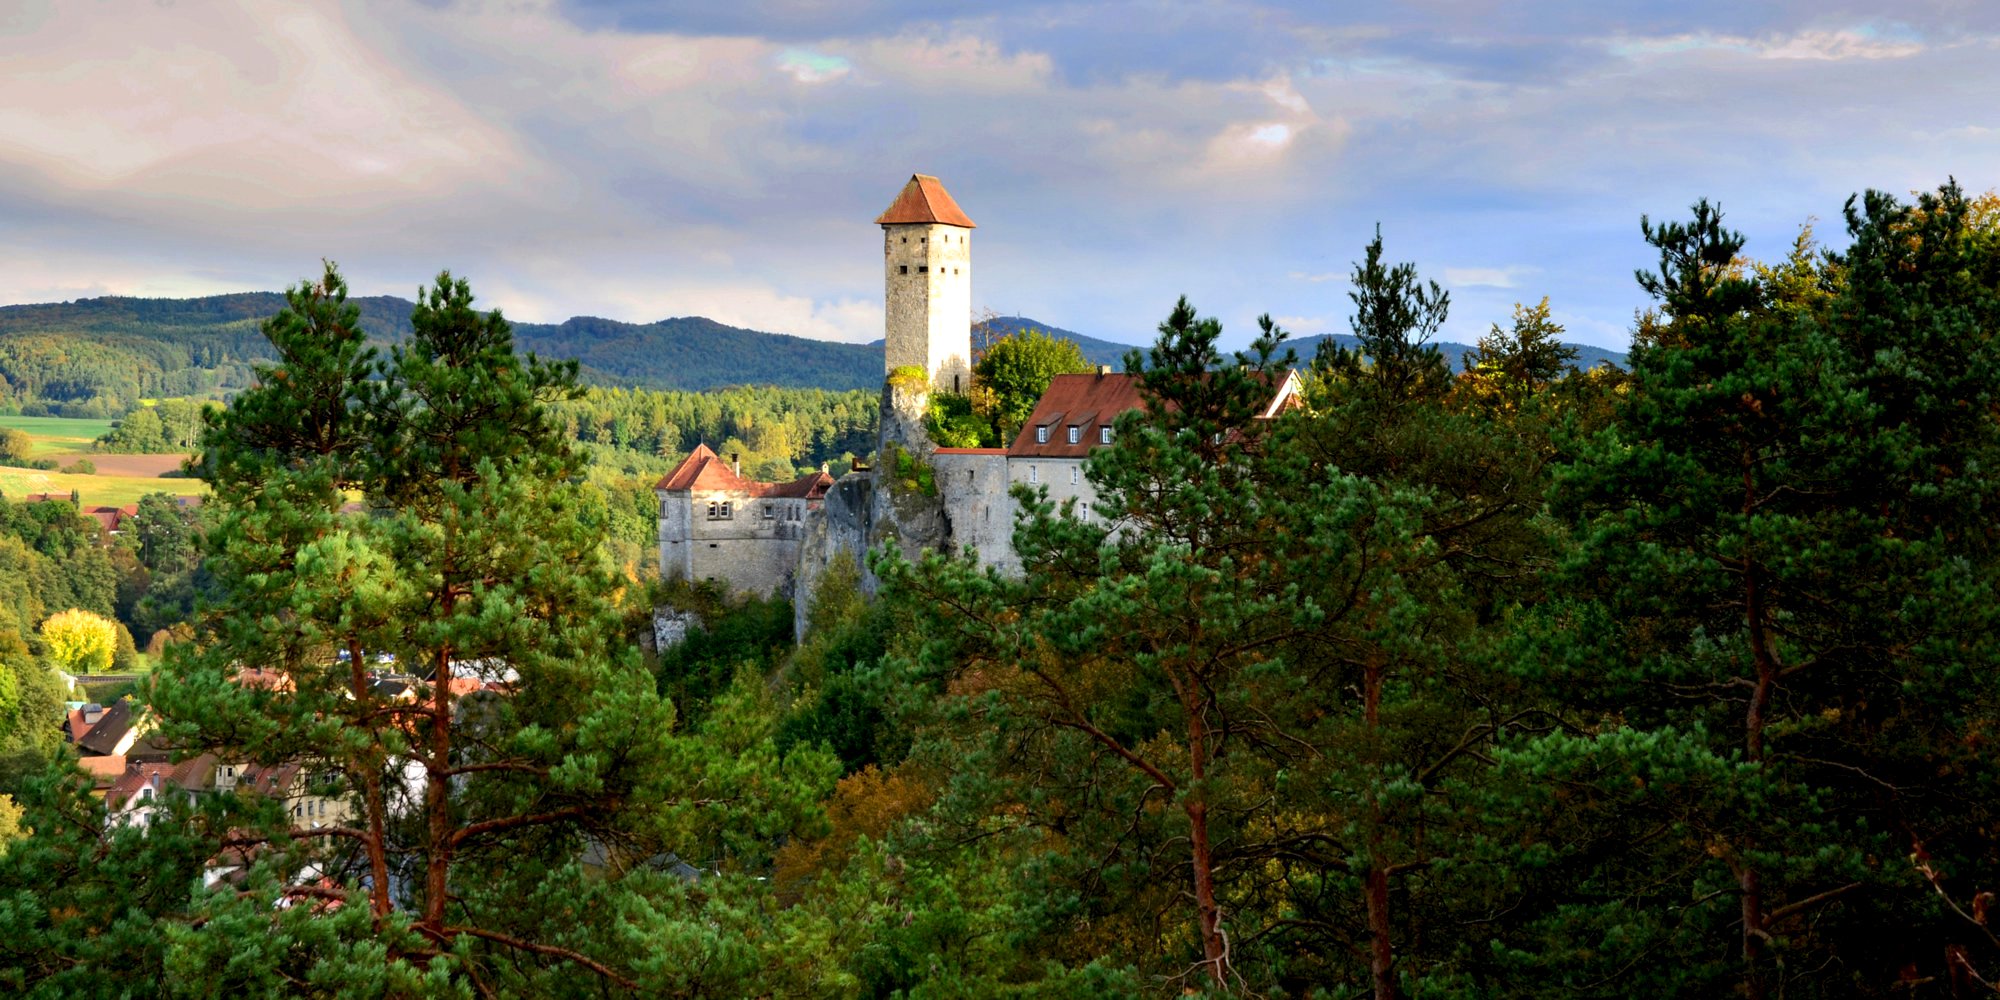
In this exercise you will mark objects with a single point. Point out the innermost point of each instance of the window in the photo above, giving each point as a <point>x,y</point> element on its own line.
<point>1041,435</point>
<point>1075,434</point>
<point>718,510</point>
<point>1034,474</point>
<point>769,512</point>
<point>725,510</point>
<point>1075,474</point>
<point>1104,434</point>
<point>921,269</point>
<point>902,269</point>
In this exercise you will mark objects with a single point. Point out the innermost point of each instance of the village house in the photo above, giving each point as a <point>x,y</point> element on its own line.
<point>715,524</point>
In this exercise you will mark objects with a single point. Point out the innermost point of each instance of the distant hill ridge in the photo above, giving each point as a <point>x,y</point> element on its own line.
<point>202,346</point>
<point>1105,352</point>
<point>164,347</point>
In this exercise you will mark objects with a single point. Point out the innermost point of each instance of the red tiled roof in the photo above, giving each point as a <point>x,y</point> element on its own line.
<point>103,770</point>
<point>1089,401</point>
<point>704,470</point>
<point>1093,401</point>
<point>135,778</point>
<point>924,199</point>
<point>811,486</point>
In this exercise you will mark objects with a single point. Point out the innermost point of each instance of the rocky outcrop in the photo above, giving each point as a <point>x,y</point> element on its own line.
<point>862,512</point>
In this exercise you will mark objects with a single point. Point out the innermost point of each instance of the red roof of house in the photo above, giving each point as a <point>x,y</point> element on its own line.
<point>924,199</point>
<point>1088,401</point>
<point>103,770</point>
<point>704,470</point>
<point>136,777</point>
<point>1092,401</point>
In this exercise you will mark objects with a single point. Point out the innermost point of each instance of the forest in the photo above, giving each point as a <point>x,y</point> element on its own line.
<point>1523,679</point>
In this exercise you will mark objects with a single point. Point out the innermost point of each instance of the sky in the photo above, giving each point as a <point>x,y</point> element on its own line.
<point>639,159</point>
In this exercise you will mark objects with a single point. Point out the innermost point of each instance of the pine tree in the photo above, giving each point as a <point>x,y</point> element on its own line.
<point>503,819</point>
<point>1790,531</point>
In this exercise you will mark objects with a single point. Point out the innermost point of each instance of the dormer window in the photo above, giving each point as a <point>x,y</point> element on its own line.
<point>1041,435</point>
<point>1075,434</point>
<point>1104,434</point>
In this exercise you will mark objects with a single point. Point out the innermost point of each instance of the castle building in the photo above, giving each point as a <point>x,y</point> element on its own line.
<point>927,276</point>
<point>776,538</point>
<point>717,525</point>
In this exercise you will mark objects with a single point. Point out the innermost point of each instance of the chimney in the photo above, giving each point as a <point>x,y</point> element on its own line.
<point>736,462</point>
<point>1103,370</point>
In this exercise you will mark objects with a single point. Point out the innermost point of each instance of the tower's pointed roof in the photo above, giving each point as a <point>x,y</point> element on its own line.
<point>924,199</point>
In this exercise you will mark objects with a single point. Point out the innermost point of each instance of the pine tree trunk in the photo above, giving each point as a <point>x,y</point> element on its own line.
<point>371,783</point>
<point>1756,618</point>
<point>437,794</point>
<point>1375,887</point>
<point>1215,952</point>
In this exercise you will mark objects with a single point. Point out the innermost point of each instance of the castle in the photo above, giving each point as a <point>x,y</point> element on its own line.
<point>779,538</point>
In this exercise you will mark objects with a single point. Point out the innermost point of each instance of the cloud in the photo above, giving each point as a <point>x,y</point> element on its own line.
<point>1864,43</point>
<point>811,67</point>
<point>1486,277</point>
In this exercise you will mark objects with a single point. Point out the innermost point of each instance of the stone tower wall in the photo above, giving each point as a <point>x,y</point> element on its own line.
<point>927,270</point>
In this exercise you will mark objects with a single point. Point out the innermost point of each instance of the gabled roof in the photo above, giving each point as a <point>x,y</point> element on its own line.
<point>706,471</point>
<point>1092,401</point>
<point>924,200</point>
<point>1096,398</point>
<point>136,777</point>
<point>110,730</point>
<point>810,486</point>
<point>703,469</point>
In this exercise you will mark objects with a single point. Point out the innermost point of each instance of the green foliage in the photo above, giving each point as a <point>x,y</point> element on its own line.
<point>952,422</point>
<point>1515,364</point>
<point>80,467</point>
<point>1395,316</point>
<point>541,798</point>
<point>1016,369</point>
<point>744,635</point>
<point>1791,516</point>
<point>909,474</point>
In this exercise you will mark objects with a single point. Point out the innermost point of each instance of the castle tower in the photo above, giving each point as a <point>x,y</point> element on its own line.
<point>927,264</point>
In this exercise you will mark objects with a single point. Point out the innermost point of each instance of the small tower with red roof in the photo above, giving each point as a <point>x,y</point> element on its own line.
<point>927,265</point>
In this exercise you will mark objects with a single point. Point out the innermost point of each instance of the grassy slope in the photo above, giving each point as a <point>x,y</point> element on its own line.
<point>59,435</point>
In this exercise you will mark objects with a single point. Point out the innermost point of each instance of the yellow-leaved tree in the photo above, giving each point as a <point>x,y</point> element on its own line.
<point>80,642</point>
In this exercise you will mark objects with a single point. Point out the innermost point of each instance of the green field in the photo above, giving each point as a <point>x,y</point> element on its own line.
<point>59,435</point>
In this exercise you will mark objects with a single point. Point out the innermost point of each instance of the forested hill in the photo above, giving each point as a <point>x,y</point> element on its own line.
<point>121,349</point>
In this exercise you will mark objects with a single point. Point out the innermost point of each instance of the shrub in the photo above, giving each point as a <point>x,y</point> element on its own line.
<point>81,467</point>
